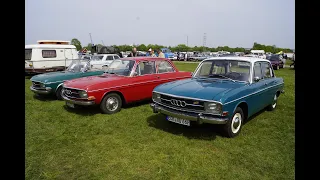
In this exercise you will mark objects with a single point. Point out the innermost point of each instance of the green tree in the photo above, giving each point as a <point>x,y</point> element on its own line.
<point>142,47</point>
<point>76,43</point>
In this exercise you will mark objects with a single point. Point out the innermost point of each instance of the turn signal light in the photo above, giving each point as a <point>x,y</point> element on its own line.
<point>225,113</point>
<point>91,98</point>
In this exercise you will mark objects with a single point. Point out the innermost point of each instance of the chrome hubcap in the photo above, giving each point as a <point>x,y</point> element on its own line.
<point>112,103</point>
<point>274,101</point>
<point>236,123</point>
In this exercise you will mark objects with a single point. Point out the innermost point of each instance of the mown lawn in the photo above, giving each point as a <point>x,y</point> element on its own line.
<point>137,144</point>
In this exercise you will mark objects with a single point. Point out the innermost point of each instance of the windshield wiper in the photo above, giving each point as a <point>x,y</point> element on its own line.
<point>212,75</point>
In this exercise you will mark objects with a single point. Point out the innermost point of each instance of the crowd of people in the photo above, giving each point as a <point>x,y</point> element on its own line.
<point>150,53</point>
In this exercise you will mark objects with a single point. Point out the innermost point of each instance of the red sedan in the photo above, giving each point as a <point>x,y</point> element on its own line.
<point>126,80</point>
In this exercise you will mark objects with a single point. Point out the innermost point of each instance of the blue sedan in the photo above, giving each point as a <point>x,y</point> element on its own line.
<point>223,90</point>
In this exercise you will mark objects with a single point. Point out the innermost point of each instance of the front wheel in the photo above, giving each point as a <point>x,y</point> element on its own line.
<point>58,93</point>
<point>272,106</point>
<point>233,126</point>
<point>111,103</point>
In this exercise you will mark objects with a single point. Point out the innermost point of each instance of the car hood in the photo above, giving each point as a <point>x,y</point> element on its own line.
<point>55,76</point>
<point>93,82</point>
<point>209,89</point>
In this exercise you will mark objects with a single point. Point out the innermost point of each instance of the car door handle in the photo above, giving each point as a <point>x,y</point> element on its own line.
<point>158,77</point>
<point>265,83</point>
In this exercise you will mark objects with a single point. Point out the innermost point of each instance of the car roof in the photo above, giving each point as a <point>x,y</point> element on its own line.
<point>143,58</point>
<point>238,58</point>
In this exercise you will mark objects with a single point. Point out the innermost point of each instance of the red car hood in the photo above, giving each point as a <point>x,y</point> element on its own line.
<point>93,82</point>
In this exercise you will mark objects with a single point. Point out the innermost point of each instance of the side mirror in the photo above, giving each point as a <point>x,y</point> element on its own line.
<point>135,74</point>
<point>191,74</point>
<point>256,79</point>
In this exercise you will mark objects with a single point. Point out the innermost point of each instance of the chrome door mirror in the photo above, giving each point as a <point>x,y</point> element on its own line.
<point>256,79</point>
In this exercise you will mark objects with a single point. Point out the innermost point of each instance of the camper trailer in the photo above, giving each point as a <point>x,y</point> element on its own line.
<point>49,56</point>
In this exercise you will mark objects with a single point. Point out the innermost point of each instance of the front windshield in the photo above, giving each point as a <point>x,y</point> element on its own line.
<point>234,70</point>
<point>96,58</point>
<point>78,66</point>
<point>120,67</point>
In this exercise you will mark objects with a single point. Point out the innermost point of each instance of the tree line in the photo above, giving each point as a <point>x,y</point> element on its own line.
<point>185,48</point>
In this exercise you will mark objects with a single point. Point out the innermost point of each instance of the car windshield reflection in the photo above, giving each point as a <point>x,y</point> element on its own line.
<point>120,67</point>
<point>233,70</point>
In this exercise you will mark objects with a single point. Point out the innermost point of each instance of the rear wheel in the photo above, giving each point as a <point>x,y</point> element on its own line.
<point>234,125</point>
<point>111,104</point>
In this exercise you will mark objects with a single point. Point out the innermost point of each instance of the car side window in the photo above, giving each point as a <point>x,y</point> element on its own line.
<point>257,70</point>
<point>116,57</point>
<point>266,70</point>
<point>109,58</point>
<point>146,68</point>
<point>164,66</point>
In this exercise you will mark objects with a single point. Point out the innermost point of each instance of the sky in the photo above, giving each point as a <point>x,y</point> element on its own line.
<point>233,23</point>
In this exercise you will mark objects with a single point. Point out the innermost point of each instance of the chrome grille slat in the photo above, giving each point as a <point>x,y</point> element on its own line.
<point>187,103</point>
<point>73,93</point>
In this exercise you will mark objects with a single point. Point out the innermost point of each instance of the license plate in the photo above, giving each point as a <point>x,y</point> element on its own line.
<point>70,104</point>
<point>179,121</point>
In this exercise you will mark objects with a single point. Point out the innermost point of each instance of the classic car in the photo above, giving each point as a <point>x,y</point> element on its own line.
<point>102,61</point>
<point>51,83</point>
<point>125,80</point>
<point>276,61</point>
<point>223,90</point>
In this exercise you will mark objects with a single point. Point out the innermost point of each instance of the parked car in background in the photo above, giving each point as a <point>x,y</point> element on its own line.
<point>167,53</point>
<point>276,61</point>
<point>102,61</point>
<point>51,83</point>
<point>126,80</point>
<point>223,90</point>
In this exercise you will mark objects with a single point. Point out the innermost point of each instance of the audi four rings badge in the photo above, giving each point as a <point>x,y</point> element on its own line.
<point>178,103</point>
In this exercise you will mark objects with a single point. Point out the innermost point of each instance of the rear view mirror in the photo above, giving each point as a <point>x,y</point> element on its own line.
<point>256,79</point>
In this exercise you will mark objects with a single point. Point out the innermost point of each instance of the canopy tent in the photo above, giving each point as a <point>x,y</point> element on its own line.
<point>280,52</point>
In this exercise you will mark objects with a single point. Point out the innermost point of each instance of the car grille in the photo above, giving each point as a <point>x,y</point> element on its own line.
<point>182,104</point>
<point>36,85</point>
<point>71,93</point>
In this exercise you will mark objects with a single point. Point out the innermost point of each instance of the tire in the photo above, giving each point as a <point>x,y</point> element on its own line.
<point>277,67</point>
<point>234,124</point>
<point>113,100</point>
<point>273,105</point>
<point>58,93</point>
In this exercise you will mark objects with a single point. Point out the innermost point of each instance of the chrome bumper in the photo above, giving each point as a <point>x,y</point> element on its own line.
<point>200,118</point>
<point>41,91</point>
<point>82,103</point>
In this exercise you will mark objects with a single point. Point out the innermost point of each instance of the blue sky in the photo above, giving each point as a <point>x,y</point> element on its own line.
<point>233,23</point>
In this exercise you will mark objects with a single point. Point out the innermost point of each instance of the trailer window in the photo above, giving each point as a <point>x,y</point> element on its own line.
<point>49,53</point>
<point>28,53</point>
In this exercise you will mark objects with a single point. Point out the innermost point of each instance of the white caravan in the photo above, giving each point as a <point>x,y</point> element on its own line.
<point>49,56</point>
<point>259,53</point>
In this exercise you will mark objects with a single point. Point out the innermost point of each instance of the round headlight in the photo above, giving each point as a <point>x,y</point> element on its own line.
<point>156,97</point>
<point>83,94</point>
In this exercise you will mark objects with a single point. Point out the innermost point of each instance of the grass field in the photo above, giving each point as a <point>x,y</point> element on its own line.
<point>137,144</point>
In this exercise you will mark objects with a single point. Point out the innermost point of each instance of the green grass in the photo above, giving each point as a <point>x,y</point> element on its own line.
<point>137,144</point>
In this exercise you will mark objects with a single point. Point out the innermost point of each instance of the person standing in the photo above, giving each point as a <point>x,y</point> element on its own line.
<point>152,53</point>
<point>133,53</point>
<point>160,54</point>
